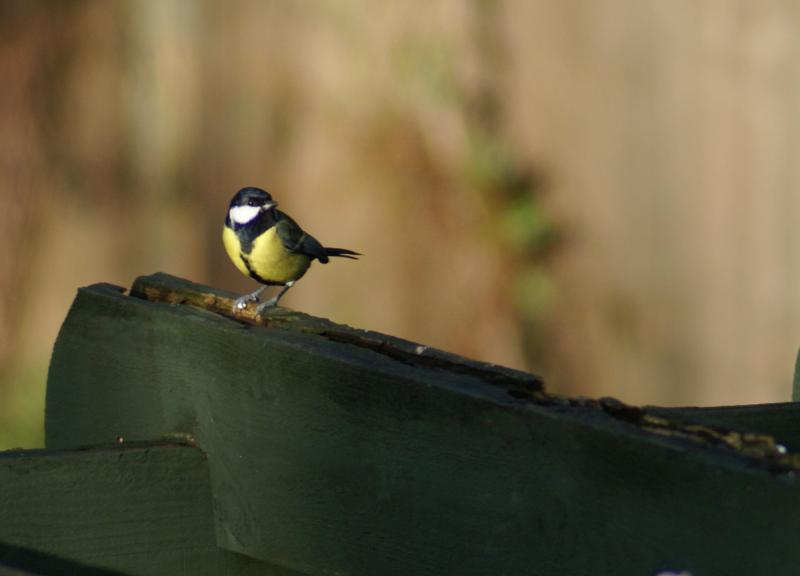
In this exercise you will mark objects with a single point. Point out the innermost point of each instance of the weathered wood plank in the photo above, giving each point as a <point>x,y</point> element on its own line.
<point>143,510</point>
<point>123,509</point>
<point>780,420</point>
<point>337,451</point>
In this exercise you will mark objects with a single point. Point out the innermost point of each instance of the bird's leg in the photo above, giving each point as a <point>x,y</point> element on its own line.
<point>274,300</point>
<point>241,302</point>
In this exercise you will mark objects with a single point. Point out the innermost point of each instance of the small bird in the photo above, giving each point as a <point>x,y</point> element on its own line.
<point>268,246</point>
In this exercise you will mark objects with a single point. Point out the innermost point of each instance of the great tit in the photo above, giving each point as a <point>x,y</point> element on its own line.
<point>268,246</point>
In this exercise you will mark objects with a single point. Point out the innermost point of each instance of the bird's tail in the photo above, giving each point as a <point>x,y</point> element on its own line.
<point>342,253</point>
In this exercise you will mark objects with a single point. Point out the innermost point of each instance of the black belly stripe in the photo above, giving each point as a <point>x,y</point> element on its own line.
<point>253,273</point>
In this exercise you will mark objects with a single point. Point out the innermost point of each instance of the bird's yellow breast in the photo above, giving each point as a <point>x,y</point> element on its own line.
<point>233,247</point>
<point>268,258</point>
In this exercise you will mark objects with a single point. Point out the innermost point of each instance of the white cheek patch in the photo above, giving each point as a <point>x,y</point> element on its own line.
<point>243,214</point>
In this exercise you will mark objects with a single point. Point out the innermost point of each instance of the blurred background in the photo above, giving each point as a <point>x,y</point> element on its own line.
<point>604,192</point>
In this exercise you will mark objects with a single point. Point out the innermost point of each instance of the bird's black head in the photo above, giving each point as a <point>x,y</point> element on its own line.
<point>248,203</point>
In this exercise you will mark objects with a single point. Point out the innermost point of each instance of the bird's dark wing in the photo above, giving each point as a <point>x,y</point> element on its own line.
<point>295,240</point>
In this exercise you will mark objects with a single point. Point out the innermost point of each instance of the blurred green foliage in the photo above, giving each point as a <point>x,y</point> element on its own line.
<point>520,227</point>
<point>22,412</point>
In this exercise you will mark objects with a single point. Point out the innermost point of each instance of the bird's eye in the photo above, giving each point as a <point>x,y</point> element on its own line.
<point>252,202</point>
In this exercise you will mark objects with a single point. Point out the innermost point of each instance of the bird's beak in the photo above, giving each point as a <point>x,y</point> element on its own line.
<point>269,206</point>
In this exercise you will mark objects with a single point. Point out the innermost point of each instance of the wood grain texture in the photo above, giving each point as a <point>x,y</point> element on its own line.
<point>329,455</point>
<point>780,420</point>
<point>124,509</point>
<point>141,510</point>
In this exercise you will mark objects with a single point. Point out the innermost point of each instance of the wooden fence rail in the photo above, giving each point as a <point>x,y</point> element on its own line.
<point>292,445</point>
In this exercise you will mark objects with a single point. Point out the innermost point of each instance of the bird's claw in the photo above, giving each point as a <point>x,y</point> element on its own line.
<point>271,303</point>
<point>240,304</point>
<point>242,301</point>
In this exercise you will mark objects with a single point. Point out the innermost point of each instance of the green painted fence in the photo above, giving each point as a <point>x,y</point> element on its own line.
<point>292,445</point>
